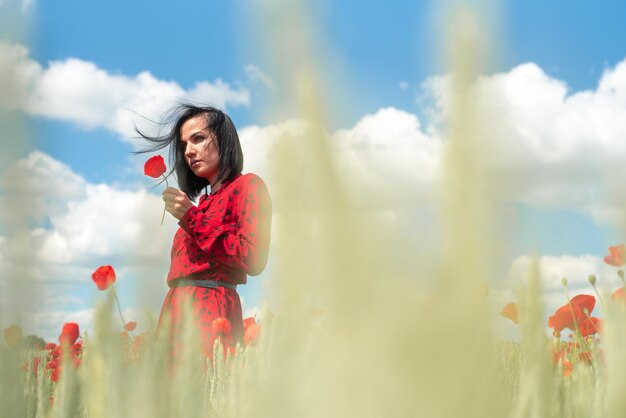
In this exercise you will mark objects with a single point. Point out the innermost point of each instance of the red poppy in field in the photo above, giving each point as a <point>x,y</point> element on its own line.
<point>251,334</point>
<point>565,316</point>
<point>510,311</point>
<point>76,349</point>
<point>619,295</point>
<point>138,341</point>
<point>154,167</point>
<point>69,333</point>
<point>248,321</point>
<point>50,346</point>
<point>130,326</point>
<point>567,368</point>
<point>221,326</point>
<point>616,256</point>
<point>54,376</point>
<point>13,335</point>
<point>103,277</point>
<point>589,326</point>
<point>557,356</point>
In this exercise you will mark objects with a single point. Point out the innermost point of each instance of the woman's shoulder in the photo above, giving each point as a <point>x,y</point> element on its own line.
<point>249,179</point>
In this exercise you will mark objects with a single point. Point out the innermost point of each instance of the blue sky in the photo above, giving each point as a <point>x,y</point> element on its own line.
<point>376,55</point>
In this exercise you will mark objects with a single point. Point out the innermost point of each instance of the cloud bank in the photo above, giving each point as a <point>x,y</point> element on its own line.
<point>80,92</point>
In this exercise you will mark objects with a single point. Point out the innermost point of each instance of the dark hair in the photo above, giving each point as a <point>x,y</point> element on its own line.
<point>219,124</point>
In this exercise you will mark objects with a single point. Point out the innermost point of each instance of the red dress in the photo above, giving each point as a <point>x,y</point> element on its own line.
<point>225,239</point>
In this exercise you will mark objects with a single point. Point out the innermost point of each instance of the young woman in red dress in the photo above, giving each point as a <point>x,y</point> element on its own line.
<point>222,239</point>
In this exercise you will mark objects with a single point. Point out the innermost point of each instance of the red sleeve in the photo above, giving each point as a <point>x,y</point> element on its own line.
<point>243,244</point>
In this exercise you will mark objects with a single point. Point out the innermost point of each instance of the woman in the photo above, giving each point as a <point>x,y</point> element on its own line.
<point>226,236</point>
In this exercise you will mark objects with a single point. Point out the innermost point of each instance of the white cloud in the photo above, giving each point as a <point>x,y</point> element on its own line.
<point>554,147</point>
<point>78,91</point>
<point>256,74</point>
<point>36,187</point>
<point>389,156</point>
<point>385,155</point>
<point>259,144</point>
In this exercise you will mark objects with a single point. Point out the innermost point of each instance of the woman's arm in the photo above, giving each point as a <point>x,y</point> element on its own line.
<point>241,245</point>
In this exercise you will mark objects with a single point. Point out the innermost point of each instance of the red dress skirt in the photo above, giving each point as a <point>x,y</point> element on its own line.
<point>224,239</point>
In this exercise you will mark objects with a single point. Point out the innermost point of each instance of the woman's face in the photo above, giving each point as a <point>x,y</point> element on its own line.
<point>200,148</point>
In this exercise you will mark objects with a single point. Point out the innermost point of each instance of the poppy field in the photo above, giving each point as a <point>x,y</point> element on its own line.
<point>117,373</point>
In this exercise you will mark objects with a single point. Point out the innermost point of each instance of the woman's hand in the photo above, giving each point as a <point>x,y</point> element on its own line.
<point>176,202</point>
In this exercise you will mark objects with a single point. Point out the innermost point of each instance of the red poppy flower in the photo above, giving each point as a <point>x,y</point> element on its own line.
<point>616,256</point>
<point>69,334</point>
<point>619,295</point>
<point>248,321</point>
<point>130,326</point>
<point>589,326</point>
<point>56,353</point>
<point>138,342</point>
<point>103,277</point>
<point>54,376</point>
<point>13,335</point>
<point>567,368</point>
<point>565,316</point>
<point>510,311</point>
<point>50,346</point>
<point>251,335</point>
<point>221,326</point>
<point>154,167</point>
<point>76,349</point>
<point>558,356</point>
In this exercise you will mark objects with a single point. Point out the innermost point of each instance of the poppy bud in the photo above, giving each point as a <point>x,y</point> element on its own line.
<point>564,282</point>
<point>69,333</point>
<point>130,326</point>
<point>103,277</point>
<point>620,273</point>
<point>251,335</point>
<point>592,279</point>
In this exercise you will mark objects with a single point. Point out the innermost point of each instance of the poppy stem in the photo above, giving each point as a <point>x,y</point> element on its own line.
<point>167,185</point>
<point>598,294</point>
<point>571,309</point>
<point>118,307</point>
